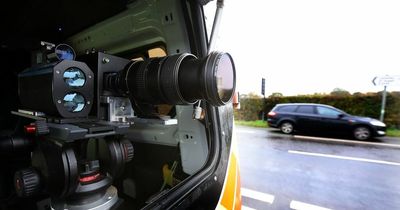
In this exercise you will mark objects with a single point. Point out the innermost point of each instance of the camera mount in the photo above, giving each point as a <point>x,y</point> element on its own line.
<point>74,163</point>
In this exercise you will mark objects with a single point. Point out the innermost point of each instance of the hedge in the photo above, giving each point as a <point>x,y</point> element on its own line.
<point>368,105</point>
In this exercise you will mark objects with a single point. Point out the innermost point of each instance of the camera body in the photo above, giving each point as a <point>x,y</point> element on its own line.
<point>46,88</point>
<point>69,89</point>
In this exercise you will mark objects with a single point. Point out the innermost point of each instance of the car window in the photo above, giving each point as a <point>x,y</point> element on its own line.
<point>306,109</point>
<point>287,108</point>
<point>327,111</point>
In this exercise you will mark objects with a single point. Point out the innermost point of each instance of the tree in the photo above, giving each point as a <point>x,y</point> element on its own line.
<point>340,92</point>
<point>250,95</point>
<point>276,95</point>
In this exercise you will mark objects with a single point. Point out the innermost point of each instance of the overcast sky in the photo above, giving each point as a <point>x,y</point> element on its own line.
<point>311,46</point>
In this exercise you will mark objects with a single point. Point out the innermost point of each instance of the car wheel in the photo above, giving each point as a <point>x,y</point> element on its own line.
<point>362,133</point>
<point>287,127</point>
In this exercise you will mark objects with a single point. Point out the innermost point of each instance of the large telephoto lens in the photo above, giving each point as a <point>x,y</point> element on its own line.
<point>177,79</point>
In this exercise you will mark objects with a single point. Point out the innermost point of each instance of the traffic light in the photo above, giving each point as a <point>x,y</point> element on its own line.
<point>263,86</point>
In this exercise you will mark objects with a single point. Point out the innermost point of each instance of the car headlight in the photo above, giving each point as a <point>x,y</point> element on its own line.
<point>377,123</point>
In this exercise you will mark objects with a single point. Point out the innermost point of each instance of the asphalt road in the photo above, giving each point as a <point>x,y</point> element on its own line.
<point>283,172</point>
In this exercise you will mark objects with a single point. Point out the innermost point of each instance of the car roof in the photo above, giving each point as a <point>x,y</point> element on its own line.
<point>297,104</point>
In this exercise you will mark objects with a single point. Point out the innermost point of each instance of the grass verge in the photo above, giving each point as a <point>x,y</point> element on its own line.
<point>393,132</point>
<point>256,123</point>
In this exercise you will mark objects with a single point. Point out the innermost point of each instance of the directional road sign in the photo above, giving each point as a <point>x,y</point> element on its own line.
<point>387,80</point>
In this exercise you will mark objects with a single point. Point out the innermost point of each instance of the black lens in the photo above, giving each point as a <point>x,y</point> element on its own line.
<point>65,52</point>
<point>74,102</point>
<point>225,78</point>
<point>74,77</point>
<point>177,79</point>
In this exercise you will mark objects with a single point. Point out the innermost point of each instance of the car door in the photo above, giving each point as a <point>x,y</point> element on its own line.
<point>307,118</point>
<point>331,120</point>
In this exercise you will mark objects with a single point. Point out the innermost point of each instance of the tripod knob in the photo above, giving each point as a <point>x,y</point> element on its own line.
<point>27,182</point>
<point>127,149</point>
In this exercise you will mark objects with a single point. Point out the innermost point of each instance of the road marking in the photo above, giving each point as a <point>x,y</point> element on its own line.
<point>305,206</point>
<point>346,141</point>
<point>268,198</point>
<point>344,157</point>
<point>247,208</point>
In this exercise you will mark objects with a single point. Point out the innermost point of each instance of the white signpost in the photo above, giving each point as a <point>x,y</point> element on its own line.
<point>386,80</point>
<point>392,80</point>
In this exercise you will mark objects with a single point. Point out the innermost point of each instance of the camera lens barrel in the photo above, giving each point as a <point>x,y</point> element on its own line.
<point>177,80</point>
<point>212,78</point>
<point>171,80</point>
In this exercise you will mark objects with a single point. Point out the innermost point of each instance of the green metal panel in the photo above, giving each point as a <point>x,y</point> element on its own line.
<point>144,23</point>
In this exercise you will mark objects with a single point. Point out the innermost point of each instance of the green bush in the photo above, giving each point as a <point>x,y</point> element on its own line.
<point>250,109</point>
<point>358,104</point>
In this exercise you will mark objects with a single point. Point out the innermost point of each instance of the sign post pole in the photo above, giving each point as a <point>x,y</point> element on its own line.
<point>263,93</point>
<point>383,104</point>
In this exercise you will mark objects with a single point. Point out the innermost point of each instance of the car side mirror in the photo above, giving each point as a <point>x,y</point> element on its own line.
<point>340,116</point>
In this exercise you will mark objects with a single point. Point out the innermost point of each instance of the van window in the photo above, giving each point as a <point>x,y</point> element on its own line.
<point>306,109</point>
<point>287,108</point>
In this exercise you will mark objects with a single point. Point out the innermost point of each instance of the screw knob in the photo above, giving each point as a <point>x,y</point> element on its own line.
<point>128,150</point>
<point>27,182</point>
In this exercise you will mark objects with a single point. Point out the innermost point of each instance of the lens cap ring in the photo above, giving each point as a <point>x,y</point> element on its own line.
<point>210,80</point>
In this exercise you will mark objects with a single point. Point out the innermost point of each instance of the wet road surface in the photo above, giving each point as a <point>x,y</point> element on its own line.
<point>282,172</point>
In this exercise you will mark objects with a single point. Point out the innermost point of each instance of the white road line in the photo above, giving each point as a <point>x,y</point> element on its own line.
<point>346,141</point>
<point>247,208</point>
<point>305,206</point>
<point>344,157</point>
<point>264,197</point>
